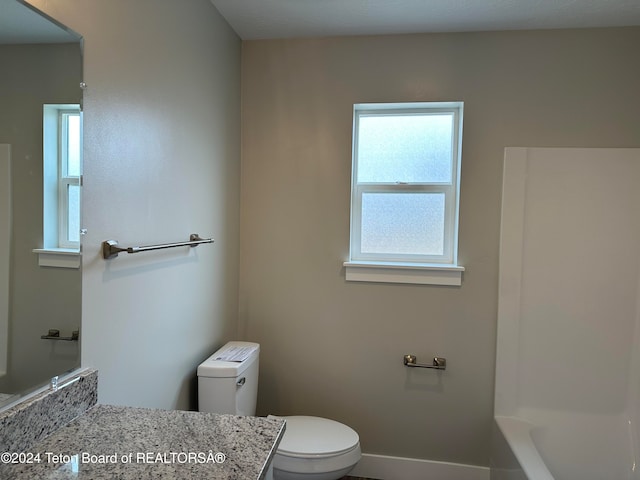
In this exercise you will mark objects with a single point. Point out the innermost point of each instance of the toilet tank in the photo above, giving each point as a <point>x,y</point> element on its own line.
<point>228,380</point>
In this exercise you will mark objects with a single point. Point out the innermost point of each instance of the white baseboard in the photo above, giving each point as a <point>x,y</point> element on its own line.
<point>382,467</point>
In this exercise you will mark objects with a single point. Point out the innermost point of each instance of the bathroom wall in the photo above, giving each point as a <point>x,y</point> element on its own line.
<point>334,348</point>
<point>162,116</point>
<point>40,297</point>
<point>162,110</point>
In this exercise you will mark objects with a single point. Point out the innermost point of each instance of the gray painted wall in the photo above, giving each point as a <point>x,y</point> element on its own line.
<point>40,298</point>
<point>333,348</point>
<point>162,160</point>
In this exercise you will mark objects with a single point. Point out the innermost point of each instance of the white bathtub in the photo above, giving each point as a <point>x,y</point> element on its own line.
<point>514,455</point>
<point>572,446</point>
<point>567,397</point>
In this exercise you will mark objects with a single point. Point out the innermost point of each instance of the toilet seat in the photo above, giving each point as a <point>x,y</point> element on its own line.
<point>316,437</point>
<point>313,445</point>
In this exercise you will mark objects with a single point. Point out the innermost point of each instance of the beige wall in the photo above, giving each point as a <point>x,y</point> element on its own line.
<point>335,349</point>
<point>161,161</point>
<point>40,298</point>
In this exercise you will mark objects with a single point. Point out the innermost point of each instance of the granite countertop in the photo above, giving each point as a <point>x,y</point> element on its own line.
<point>127,443</point>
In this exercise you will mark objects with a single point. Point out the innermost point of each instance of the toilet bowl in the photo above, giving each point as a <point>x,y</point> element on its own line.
<point>315,448</point>
<point>312,448</point>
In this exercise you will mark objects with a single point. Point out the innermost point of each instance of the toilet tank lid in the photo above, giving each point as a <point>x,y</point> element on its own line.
<point>230,360</point>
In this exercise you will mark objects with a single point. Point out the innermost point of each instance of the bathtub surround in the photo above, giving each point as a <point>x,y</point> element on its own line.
<point>40,415</point>
<point>567,367</point>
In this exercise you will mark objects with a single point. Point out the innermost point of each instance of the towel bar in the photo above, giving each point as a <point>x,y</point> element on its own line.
<point>110,248</point>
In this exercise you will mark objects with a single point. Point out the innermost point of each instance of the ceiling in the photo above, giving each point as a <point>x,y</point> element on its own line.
<point>262,19</point>
<point>20,23</point>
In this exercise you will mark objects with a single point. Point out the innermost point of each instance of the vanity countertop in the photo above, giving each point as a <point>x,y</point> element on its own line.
<point>127,443</point>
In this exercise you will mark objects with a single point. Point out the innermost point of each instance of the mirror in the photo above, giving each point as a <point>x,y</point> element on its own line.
<point>41,62</point>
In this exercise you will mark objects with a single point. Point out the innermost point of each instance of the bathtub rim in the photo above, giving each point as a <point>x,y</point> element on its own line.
<point>517,433</point>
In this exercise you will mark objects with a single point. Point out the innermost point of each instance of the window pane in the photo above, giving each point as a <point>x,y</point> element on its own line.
<point>403,223</point>
<point>73,145</point>
<point>405,148</point>
<point>73,225</point>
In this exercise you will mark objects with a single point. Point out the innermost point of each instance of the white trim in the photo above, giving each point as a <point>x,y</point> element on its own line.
<point>64,180</point>
<point>427,106</point>
<point>412,273</point>
<point>451,190</point>
<point>399,468</point>
<point>58,257</point>
<point>514,188</point>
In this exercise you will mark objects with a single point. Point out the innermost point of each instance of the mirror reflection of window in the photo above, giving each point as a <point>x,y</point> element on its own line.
<point>41,63</point>
<point>69,180</point>
<point>62,163</point>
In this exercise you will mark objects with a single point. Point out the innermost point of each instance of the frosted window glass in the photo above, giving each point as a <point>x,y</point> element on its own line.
<point>73,145</point>
<point>405,148</point>
<point>403,223</point>
<point>73,225</point>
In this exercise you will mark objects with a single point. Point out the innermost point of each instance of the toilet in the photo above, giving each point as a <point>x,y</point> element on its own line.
<point>312,448</point>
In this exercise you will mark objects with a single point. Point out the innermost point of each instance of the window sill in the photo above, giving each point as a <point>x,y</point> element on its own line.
<point>58,257</point>
<point>396,272</point>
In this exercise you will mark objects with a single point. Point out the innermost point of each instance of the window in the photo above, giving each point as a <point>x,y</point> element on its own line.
<point>62,153</point>
<point>69,179</point>
<point>404,194</point>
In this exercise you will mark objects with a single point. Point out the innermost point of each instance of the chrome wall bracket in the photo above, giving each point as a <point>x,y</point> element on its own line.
<point>439,363</point>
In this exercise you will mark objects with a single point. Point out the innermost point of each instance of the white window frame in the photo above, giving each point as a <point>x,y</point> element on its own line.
<point>57,250</point>
<point>408,268</point>
<point>65,180</point>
